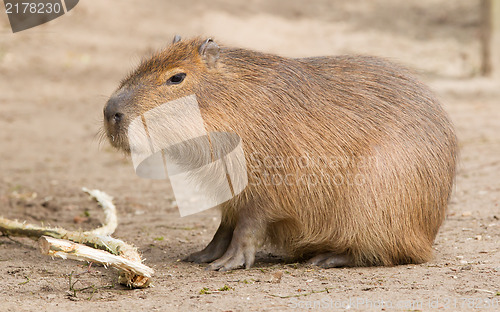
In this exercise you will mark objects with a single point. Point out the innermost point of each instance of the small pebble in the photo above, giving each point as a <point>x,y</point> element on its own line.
<point>277,277</point>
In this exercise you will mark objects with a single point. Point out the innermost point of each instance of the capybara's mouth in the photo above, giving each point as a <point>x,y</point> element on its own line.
<point>119,143</point>
<point>117,137</point>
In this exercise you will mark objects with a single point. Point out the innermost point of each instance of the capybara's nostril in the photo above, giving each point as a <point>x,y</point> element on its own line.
<point>118,117</point>
<point>112,111</point>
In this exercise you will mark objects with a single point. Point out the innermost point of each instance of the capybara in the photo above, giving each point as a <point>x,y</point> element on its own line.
<point>351,160</point>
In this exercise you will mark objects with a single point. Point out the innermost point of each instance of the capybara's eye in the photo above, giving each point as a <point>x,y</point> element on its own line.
<point>176,79</point>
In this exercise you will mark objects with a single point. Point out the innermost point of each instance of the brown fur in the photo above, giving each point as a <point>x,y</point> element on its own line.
<point>363,120</point>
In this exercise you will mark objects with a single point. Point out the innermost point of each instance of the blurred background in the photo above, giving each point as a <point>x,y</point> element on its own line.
<point>56,78</point>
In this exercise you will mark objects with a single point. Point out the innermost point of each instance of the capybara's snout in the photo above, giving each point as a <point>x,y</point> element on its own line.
<point>117,117</point>
<point>113,111</point>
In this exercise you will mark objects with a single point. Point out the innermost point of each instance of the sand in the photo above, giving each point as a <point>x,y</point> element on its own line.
<point>55,80</point>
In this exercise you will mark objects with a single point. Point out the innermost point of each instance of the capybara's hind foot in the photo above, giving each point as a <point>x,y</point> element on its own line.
<point>331,260</point>
<point>216,248</point>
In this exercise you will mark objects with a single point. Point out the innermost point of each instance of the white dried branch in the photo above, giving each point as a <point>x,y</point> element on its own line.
<point>68,244</point>
<point>110,219</point>
<point>68,250</point>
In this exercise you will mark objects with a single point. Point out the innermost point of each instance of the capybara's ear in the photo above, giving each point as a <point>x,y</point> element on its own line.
<point>177,38</point>
<point>209,51</point>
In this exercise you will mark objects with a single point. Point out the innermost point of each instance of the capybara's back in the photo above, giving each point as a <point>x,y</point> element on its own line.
<point>351,160</point>
<point>379,167</point>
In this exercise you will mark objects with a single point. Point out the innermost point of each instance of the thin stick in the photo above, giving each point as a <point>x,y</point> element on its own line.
<point>110,219</point>
<point>108,243</point>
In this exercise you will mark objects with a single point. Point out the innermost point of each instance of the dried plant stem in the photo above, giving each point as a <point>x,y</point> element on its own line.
<point>68,250</point>
<point>93,246</point>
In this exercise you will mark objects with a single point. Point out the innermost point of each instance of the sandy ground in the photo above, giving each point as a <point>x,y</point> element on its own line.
<point>55,79</point>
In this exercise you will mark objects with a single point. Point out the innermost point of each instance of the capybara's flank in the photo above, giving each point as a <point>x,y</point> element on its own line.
<point>380,125</point>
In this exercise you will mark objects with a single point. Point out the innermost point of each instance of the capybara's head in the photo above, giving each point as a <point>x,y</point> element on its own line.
<point>173,73</point>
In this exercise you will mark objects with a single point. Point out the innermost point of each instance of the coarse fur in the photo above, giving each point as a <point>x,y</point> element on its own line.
<point>350,159</point>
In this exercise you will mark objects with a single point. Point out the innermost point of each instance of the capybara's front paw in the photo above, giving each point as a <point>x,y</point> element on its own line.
<point>241,252</point>
<point>216,248</point>
<point>234,258</point>
<point>202,256</point>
